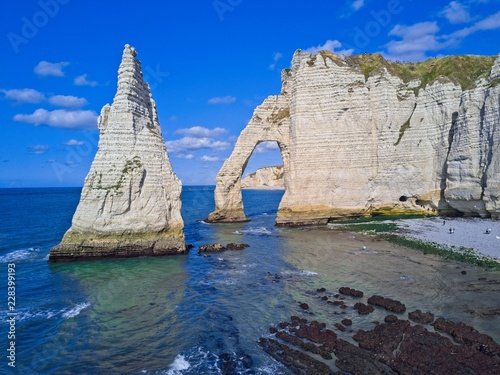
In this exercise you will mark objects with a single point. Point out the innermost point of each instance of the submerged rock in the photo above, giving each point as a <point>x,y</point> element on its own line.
<point>298,362</point>
<point>217,247</point>
<point>350,292</point>
<point>236,246</point>
<point>420,317</point>
<point>393,347</point>
<point>130,202</point>
<point>363,309</point>
<point>387,303</point>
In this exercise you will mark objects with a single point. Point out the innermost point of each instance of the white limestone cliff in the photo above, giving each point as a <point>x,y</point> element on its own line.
<point>130,203</point>
<point>360,136</point>
<point>473,181</point>
<point>270,122</point>
<point>265,178</point>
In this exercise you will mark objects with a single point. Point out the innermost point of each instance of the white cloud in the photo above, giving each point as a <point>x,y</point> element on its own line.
<point>266,147</point>
<point>357,4</point>
<point>187,156</point>
<point>24,95</point>
<point>83,81</point>
<point>456,12</point>
<point>45,68</point>
<point>38,149</point>
<point>415,41</point>
<point>276,57</point>
<point>200,132</point>
<point>330,45</point>
<point>489,23</point>
<point>73,142</point>
<point>191,143</point>
<point>210,158</point>
<point>419,39</point>
<point>67,101</point>
<point>222,100</point>
<point>60,118</point>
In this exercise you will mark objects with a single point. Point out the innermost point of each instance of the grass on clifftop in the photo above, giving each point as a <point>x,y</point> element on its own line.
<point>461,69</point>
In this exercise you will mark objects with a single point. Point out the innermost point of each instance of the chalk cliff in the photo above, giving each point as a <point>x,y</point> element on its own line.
<point>130,203</point>
<point>265,178</point>
<point>361,136</point>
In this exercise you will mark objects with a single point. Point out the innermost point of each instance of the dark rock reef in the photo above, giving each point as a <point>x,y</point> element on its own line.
<point>396,346</point>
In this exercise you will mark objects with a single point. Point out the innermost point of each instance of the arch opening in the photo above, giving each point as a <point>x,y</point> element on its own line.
<point>262,180</point>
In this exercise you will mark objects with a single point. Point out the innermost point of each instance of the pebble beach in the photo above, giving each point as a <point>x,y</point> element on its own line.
<point>482,235</point>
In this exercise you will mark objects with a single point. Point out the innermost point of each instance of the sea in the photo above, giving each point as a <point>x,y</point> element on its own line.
<point>187,314</point>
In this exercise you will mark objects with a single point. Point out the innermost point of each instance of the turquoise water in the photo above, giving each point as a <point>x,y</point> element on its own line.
<point>177,315</point>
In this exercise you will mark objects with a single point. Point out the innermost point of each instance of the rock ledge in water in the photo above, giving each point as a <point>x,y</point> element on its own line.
<point>217,247</point>
<point>395,346</point>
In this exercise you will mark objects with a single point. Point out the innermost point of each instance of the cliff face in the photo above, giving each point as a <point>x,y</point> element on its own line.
<point>269,177</point>
<point>130,203</point>
<point>367,137</point>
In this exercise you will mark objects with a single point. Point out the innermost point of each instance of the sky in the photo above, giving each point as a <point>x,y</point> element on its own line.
<point>209,63</point>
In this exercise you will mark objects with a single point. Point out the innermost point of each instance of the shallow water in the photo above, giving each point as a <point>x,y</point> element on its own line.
<point>177,315</point>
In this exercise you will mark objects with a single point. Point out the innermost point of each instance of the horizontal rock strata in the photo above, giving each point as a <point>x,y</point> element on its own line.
<point>130,203</point>
<point>360,136</point>
<point>262,178</point>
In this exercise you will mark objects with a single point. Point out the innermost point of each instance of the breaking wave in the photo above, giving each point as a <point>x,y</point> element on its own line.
<point>19,255</point>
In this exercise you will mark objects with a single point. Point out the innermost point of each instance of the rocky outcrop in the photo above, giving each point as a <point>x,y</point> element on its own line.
<point>270,122</point>
<point>394,346</point>
<point>360,136</point>
<point>130,203</point>
<point>265,178</point>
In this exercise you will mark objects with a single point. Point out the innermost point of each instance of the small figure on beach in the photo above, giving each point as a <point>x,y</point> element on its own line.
<point>444,222</point>
<point>488,231</point>
<point>452,230</point>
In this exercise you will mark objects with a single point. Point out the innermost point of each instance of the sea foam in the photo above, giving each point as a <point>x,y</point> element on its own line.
<point>44,314</point>
<point>262,231</point>
<point>19,255</point>
<point>74,311</point>
<point>178,365</point>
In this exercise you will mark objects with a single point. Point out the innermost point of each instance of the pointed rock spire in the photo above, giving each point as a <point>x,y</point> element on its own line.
<point>130,203</point>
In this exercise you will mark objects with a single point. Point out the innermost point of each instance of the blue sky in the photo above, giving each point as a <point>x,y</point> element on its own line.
<point>208,62</point>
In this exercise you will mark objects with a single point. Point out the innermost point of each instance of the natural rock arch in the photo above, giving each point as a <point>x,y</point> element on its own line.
<point>357,133</point>
<point>270,122</point>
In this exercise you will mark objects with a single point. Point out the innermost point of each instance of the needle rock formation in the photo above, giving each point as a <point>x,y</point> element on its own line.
<point>130,203</point>
<point>360,136</point>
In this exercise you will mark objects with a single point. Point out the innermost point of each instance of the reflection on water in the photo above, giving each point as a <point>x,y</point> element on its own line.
<point>131,308</point>
<point>179,315</point>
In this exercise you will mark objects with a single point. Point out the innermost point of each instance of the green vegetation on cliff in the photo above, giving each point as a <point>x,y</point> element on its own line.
<point>461,69</point>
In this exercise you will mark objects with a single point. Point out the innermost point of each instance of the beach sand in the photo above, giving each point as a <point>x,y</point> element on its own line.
<point>468,233</point>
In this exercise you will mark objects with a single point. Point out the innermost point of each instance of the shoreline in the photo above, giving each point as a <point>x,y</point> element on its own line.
<point>468,233</point>
<point>471,240</point>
